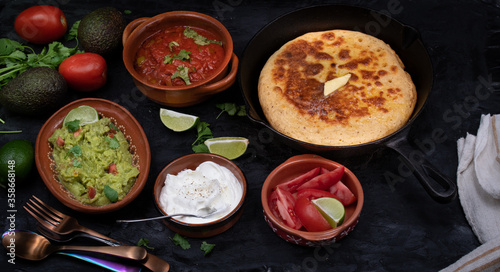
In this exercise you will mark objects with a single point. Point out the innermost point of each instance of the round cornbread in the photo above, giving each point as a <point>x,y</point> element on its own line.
<point>378,99</point>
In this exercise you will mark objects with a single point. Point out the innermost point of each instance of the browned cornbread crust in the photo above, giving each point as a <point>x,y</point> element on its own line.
<point>378,99</point>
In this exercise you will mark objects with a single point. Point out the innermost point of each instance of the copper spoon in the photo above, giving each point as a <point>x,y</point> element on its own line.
<point>34,247</point>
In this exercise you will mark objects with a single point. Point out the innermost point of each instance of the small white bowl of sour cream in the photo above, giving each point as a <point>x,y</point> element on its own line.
<point>201,183</point>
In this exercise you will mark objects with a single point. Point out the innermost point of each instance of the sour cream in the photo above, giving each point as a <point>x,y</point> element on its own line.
<point>201,191</point>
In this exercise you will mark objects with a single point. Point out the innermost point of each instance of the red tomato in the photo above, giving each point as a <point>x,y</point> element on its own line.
<point>92,192</point>
<point>310,217</point>
<point>281,203</point>
<point>85,72</point>
<point>293,184</point>
<point>324,181</point>
<point>313,194</point>
<point>112,169</point>
<point>41,24</point>
<point>342,193</point>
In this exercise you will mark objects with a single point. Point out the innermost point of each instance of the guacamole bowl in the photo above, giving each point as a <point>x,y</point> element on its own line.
<point>138,147</point>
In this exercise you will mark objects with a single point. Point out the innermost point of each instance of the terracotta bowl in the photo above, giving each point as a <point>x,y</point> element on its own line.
<point>202,230</point>
<point>140,29</point>
<point>294,167</point>
<point>139,147</point>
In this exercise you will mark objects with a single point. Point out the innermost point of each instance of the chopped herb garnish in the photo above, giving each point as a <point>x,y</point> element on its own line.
<point>180,241</point>
<point>127,11</point>
<point>77,163</point>
<point>110,193</point>
<point>182,56</point>
<point>182,72</point>
<point>172,44</point>
<point>113,127</point>
<point>199,39</point>
<point>231,109</point>
<point>113,142</point>
<point>206,247</point>
<point>144,242</point>
<point>72,32</point>
<point>75,150</point>
<point>73,125</point>
<point>203,133</point>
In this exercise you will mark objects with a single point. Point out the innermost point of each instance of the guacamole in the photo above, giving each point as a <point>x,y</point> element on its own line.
<point>93,161</point>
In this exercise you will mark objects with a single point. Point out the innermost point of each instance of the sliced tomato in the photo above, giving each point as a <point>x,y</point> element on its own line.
<point>310,217</point>
<point>112,169</point>
<point>281,203</point>
<point>324,181</point>
<point>92,192</point>
<point>313,194</point>
<point>293,184</point>
<point>342,193</point>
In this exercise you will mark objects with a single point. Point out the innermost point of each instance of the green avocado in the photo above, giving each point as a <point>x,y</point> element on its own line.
<point>101,31</point>
<point>35,91</point>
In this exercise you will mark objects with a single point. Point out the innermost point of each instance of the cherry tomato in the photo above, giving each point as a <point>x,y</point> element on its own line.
<point>342,193</point>
<point>310,217</point>
<point>293,184</point>
<point>313,194</point>
<point>85,72</point>
<point>281,203</point>
<point>324,181</point>
<point>41,24</point>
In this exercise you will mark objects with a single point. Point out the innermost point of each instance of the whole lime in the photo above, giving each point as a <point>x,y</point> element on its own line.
<point>16,161</point>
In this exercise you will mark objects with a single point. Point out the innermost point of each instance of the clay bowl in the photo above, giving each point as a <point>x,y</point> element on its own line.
<point>139,147</point>
<point>294,167</point>
<point>140,29</point>
<point>200,230</point>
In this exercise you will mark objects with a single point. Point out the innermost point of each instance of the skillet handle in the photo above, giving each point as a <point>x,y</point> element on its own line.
<point>438,186</point>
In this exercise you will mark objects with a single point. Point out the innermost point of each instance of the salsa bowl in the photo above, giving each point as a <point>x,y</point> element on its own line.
<point>212,227</point>
<point>293,167</point>
<point>125,122</point>
<point>221,78</point>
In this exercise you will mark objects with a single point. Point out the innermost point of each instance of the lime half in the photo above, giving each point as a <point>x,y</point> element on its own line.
<point>177,121</point>
<point>229,147</point>
<point>331,209</point>
<point>86,115</point>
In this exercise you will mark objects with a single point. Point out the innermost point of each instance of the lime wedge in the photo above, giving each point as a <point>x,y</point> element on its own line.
<point>86,115</point>
<point>229,147</point>
<point>177,121</point>
<point>331,209</point>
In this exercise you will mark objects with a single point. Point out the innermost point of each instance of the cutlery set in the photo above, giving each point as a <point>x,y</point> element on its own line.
<point>62,228</point>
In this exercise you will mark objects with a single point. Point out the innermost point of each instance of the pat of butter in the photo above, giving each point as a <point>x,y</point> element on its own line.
<point>335,84</point>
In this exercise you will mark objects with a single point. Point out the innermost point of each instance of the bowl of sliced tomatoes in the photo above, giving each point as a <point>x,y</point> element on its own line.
<point>292,190</point>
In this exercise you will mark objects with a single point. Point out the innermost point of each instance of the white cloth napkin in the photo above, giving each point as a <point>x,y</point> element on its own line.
<point>478,182</point>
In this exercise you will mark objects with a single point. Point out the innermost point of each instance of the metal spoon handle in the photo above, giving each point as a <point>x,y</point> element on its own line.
<point>128,252</point>
<point>160,217</point>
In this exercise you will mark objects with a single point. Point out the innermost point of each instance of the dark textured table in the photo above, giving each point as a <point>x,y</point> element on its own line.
<point>401,228</point>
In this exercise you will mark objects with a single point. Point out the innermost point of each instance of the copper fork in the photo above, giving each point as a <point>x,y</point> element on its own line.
<point>55,221</point>
<point>62,224</point>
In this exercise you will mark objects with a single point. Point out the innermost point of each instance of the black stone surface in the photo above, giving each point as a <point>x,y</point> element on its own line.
<point>401,228</point>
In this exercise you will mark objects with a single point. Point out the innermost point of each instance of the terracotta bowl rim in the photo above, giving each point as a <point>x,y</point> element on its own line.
<point>159,185</point>
<point>57,189</point>
<point>307,235</point>
<point>172,14</point>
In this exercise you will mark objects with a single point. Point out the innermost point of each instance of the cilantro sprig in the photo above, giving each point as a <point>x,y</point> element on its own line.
<point>199,39</point>
<point>16,58</point>
<point>231,109</point>
<point>203,133</point>
<point>8,131</point>
<point>184,244</point>
<point>183,73</point>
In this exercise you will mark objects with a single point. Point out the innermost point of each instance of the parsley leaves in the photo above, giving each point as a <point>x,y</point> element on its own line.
<point>110,193</point>
<point>180,241</point>
<point>198,39</point>
<point>231,109</point>
<point>16,58</point>
<point>144,242</point>
<point>183,73</point>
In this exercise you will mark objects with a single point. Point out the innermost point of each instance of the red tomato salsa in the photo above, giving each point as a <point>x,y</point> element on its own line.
<point>179,56</point>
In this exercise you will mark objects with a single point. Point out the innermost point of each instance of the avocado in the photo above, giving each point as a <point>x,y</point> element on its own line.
<point>101,31</point>
<point>35,91</point>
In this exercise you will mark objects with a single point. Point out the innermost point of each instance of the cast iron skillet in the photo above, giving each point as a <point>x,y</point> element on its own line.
<point>403,39</point>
